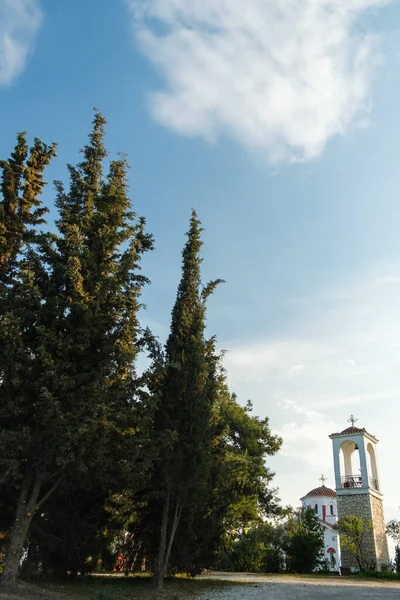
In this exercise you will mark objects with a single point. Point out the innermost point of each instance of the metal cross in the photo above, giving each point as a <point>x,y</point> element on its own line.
<point>323,479</point>
<point>352,420</point>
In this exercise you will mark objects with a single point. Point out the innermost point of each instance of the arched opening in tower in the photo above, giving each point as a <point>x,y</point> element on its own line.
<point>350,468</point>
<point>372,468</point>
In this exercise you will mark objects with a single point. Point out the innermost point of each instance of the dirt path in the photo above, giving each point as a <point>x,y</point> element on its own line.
<point>275,587</point>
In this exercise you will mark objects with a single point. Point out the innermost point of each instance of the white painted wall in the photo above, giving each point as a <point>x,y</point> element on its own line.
<point>330,537</point>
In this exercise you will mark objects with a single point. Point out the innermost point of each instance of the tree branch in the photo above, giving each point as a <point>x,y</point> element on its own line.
<point>49,493</point>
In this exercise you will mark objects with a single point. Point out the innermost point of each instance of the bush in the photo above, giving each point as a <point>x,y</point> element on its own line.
<point>255,550</point>
<point>305,542</point>
<point>379,575</point>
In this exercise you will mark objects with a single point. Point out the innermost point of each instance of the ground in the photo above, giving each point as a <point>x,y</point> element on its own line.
<point>215,586</point>
<point>286,587</point>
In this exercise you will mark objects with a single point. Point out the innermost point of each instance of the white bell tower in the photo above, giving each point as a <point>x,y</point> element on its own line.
<point>358,488</point>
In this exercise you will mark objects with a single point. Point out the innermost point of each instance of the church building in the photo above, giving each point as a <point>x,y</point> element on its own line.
<point>322,500</point>
<point>358,493</point>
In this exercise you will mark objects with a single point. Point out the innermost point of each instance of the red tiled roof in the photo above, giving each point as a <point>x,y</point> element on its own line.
<point>352,430</point>
<point>321,492</point>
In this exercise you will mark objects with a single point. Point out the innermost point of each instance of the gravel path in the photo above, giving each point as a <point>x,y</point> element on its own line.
<point>270,587</point>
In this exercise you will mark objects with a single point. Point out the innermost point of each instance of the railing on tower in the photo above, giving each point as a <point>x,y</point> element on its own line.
<point>351,481</point>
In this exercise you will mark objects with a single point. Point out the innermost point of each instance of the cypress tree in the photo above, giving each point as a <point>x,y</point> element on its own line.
<point>21,212</point>
<point>71,336</point>
<point>182,422</point>
<point>209,473</point>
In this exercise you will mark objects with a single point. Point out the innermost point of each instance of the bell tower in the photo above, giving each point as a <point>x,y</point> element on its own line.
<point>358,488</point>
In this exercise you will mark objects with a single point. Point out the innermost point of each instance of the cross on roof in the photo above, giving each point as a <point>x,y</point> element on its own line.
<point>323,479</point>
<point>352,420</point>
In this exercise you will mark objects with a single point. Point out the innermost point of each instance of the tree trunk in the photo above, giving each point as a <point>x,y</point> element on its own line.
<point>175,523</point>
<point>159,565</point>
<point>29,563</point>
<point>26,508</point>
<point>28,505</point>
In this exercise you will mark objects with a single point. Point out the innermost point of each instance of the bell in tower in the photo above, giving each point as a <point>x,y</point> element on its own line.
<point>358,489</point>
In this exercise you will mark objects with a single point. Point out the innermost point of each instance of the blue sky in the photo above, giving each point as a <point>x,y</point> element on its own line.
<point>281,127</point>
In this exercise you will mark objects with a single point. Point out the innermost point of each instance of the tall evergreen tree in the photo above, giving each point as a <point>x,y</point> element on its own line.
<point>21,210</point>
<point>71,336</point>
<point>182,423</point>
<point>209,473</point>
<point>304,545</point>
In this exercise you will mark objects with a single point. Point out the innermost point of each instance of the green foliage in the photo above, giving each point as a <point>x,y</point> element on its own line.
<point>182,432</point>
<point>241,495</point>
<point>397,559</point>
<point>210,474</point>
<point>355,532</point>
<point>304,542</point>
<point>372,574</point>
<point>255,550</point>
<point>20,208</point>
<point>393,530</point>
<point>21,213</point>
<point>93,458</point>
<point>72,533</point>
<point>294,543</point>
<point>242,485</point>
<point>69,330</point>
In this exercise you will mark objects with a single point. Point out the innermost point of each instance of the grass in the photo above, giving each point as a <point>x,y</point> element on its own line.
<point>103,587</point>
<point>116,587</point>
<point>388,575</point>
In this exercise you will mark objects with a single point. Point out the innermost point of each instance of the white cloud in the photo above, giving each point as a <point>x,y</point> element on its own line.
<point>19,22</point>
<point>280,77</point>
<point>305,434</point>
<point>347,342</point>
<point>293,371</point>
<point>342,349</point>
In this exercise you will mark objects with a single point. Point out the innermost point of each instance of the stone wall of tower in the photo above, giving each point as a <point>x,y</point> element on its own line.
<point>360,506</point>
<point>371,509</point>
<point>378,520</point>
